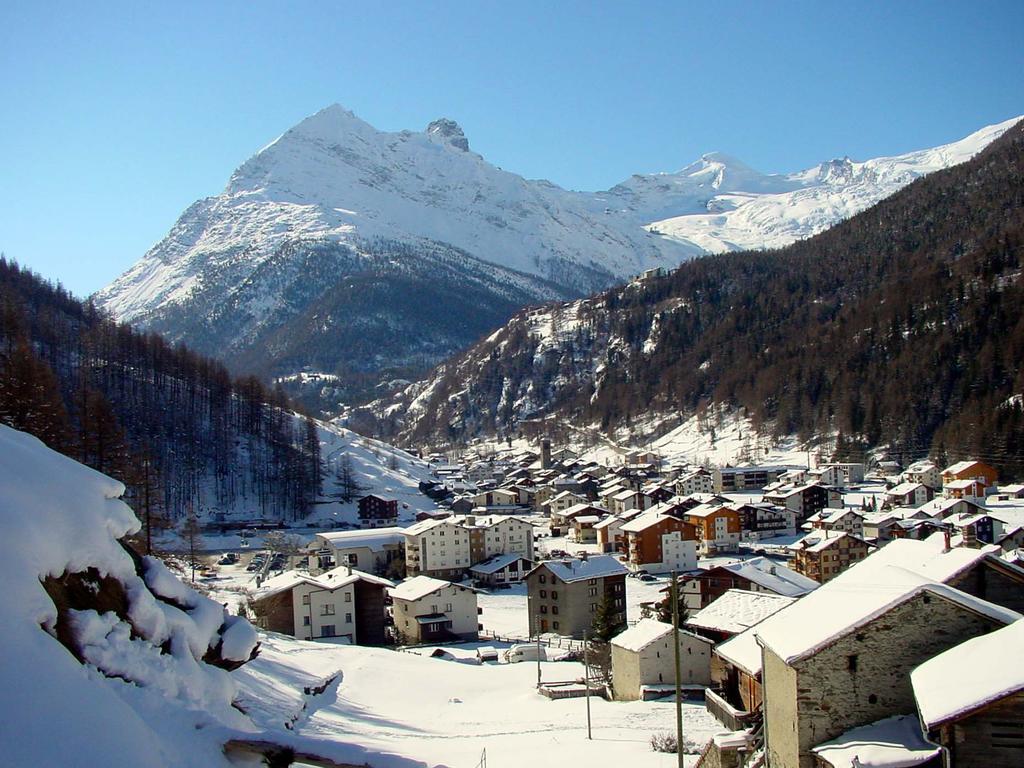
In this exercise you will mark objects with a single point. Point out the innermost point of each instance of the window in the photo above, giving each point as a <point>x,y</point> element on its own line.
<point>327,630</point>
<point>554,609</point>
<point>543,593</point>
<point>543,609</point>
<point>348,618</point>
<point>851,662</point>
<point>433,609</point>
<point>447,607</point>
<point>348,597</point>
<point>593,607</point>
<point>592,591</point>
<point>305,599</point>
<point>554,595</point>
<point>591,581</point>
<point>543,579</point>
<point>555,625</point>
<point>327,609</point>
<point>305,621</point>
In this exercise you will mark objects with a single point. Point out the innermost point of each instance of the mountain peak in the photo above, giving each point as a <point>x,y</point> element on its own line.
<point>449,131</point>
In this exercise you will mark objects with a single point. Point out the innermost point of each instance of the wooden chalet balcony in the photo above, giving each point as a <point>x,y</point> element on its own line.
<point>725,713</point>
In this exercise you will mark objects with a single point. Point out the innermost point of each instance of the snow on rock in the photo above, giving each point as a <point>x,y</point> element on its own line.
<point>60,517</point>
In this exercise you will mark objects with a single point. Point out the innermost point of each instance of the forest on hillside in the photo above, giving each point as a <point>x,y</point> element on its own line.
<point>900,327</point>
<point>172,425</point>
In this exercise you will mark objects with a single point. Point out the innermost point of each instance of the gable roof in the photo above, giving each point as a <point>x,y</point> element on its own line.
<point>496,563</point>
<point>647,631</point>
<point>738,610</point>
<point>418,587</point>
<point>576,569</point>
<point>329,580</point>
<point>969,676</point>
<point>843,605</point>
<point>773,576</point>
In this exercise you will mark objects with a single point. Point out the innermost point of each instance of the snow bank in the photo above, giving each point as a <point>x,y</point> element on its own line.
<point>129,702</point>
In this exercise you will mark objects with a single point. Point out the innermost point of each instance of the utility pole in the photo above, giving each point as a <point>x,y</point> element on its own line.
<point>675,644</point>
<point>586,679</point>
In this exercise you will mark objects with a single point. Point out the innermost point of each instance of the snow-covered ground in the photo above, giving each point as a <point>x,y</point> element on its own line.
<point>448,713</point>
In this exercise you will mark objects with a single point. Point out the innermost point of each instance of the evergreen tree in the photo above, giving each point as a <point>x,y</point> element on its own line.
<point>30,397</point>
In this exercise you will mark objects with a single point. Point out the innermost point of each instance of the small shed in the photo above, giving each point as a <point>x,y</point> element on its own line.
<point>643,656</point>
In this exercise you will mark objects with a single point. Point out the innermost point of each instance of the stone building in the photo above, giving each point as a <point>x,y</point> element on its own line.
<point>854,644</point>
<point>643,660</point>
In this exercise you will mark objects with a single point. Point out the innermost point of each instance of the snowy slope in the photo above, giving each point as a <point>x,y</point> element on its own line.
<point>323,245</point>
<point>132,702</point>
<point>747,211</point>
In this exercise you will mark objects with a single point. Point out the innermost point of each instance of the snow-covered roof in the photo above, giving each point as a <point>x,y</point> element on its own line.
<point>417,587</point>
<point>624,495</point>
<point>375,539</point>
<point>608,522</point>
<point>1011,488</point>
<point>594,567</point>
<point>329,580</point>
<point>903,489</point>
<point>820,540</point>
<point>743,651</point>
<point>976,672</point>
<point>960,485</point>
<point>423,526</point>
<point>895,742</point>
<point>645,632</point>
<point>960,466</point>
<point>496,563</point>
<point>768,574</point>
<point>586,519</point>
<point>927,557</point>
<point>644,521</point>
<point>738,610</point>
<point>707,510</point>
<point>843,605</point>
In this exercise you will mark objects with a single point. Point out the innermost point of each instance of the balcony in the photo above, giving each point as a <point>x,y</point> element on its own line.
<point>725,713</point>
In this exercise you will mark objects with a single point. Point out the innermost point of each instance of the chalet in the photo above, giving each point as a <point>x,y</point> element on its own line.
<point>717,526</point>
<point>971,700</point>
<point>699,481</point>
<point>758,574</point>
<point>838,520</point>
<point>643,660</point>
<point>562,520</point>
<point>967,479</point>
<point>341,603</point>
<point>564,595</point>
<point>583,531</point>
<point>377,512</point>
<point>1012,491</point>
<point>823,555</point>
<point>924,472</point>
<point>609,532</point>
<point>370,551</point>
<point>497,497</point>
<point>428,610</point>
<point>660,543</point>
<point>976,528</point>
<point>908,494</point>
<point>850,473</point>
<point>501,569</point>
<point>628,500</point>
<point>564,500</point>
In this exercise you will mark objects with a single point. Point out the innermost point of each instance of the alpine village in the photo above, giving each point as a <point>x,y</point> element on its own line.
<point>388,457</point>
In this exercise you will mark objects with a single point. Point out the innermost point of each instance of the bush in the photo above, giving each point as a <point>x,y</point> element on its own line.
<point>666,742</point>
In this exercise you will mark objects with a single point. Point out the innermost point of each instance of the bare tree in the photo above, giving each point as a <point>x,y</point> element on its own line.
<point>191,534</point>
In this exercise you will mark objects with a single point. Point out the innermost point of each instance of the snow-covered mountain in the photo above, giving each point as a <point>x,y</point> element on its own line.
<point>344,249</point>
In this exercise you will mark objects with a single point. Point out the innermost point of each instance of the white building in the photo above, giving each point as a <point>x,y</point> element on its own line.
<point>429,610</point>
<point>371,551</point>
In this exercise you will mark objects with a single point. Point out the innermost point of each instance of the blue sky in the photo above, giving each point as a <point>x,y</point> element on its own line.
<point>115,117</point>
